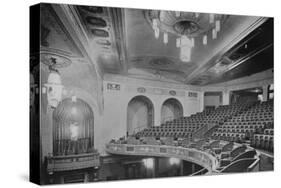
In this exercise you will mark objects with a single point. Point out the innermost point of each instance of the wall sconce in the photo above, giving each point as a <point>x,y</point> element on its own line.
<point>148,163</point>
<point>54,59</point>
<point>54,89</point>
<point>174,161</point>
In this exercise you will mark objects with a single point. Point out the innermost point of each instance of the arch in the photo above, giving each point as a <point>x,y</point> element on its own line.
<point>171,109</point>
<point>140,114</point>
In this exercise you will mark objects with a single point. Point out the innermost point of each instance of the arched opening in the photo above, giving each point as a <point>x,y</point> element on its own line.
<point>140,114</point>
<point>73,126</point>
<point>171,109</point>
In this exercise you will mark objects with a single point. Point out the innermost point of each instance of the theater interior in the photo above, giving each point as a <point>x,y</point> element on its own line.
<point>119,94</point>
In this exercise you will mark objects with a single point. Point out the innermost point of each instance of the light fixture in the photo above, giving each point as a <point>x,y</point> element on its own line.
<point>154,23</point>
<point>156,32</point>
<point>205,40</point>
<point>185,49</point>
<point>192,42</point>
<point>165,38</point>
<point>54,89</point>
<point>190,25</point>
<point>214,33</point>
<point>155,28</point>
<point>148,163</point>
<point>174,161</point>
<point>178,42</point>
<point>218,25</point>
<point>212,18</point>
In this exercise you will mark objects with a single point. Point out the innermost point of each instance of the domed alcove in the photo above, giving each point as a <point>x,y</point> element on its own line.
<point>171,109</point>
<point>140,114</point>
<point>73,126</point>
<point>73,143</point>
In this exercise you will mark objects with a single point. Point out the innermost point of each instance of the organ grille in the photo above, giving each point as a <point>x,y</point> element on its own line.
<point>73,126</point>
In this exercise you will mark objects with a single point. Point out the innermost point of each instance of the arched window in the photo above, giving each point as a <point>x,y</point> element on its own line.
<point>73,127</point>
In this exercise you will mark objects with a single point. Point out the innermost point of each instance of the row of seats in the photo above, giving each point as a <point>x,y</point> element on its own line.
<point>262,141</point>
<point>254,126</point>
<point>233,137</point>
<point>183,127</point>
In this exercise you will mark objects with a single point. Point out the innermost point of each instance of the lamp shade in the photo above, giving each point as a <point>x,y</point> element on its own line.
<point>54,78</point>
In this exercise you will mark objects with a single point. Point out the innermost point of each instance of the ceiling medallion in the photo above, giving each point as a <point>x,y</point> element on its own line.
<point>186,26</point>
<point>141,90</point>
<point>173,92</point>
<point>61,58</point>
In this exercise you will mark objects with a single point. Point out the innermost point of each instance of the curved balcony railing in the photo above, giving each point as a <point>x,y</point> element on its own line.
<point>201,158</point>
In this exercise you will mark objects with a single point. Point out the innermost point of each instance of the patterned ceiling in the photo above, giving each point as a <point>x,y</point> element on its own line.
<point>125,43</point>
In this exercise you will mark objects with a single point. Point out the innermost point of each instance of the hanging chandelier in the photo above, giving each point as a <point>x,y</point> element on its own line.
<point>187,27</point>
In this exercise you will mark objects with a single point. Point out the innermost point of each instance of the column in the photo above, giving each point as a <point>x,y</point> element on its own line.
<point>265,92</point>
<point>181,167</point>
<point>201,99</point>
<point>156,167</point>
<point>192,168</point>
<point>157,114</point>
<point>225,97</point>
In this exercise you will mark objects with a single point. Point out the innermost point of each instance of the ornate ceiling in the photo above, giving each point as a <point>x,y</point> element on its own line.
<point>126,41</point>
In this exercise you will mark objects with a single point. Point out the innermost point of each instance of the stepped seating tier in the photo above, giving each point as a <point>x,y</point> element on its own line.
<point>254,126</point>
<point>240,128</point>
<point>184,127</point>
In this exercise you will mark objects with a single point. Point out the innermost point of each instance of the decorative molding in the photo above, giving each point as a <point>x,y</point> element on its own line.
<point>173,92</point>
<point>211,62</point>
<point>112,86</point>
<point>192,94</point>
<point>63,59</point>
<point>141,90</point>
<point>155,91</point>
<point>72,162</point>
<point>71,22</point>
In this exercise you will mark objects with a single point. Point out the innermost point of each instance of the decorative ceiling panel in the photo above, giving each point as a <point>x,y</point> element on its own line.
<point>193,48</point>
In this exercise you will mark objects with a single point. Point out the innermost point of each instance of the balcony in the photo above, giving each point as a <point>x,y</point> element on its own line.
<point>201,158</point>
<point>72,162</point>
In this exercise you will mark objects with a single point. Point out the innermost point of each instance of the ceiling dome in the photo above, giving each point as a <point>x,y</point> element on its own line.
<point>186,27</point>
<point>70,110</point>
